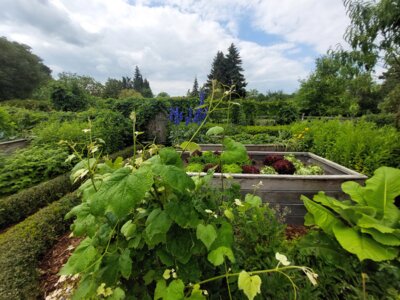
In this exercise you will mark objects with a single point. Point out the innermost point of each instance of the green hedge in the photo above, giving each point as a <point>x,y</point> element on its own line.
<point>22,246</point>
<point>16,207</point>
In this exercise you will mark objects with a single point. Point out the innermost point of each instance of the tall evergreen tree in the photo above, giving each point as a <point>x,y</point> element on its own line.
<point>234,71</point>
<point>195,89</point>
<point>146,90</point>
<point>228,70</point>
<point>218,71</point>
<point>127,83</point>
<point>137,80</point>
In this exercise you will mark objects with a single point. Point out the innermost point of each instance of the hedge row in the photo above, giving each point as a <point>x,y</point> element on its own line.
<point>22,246</point>
<point>16,207</point>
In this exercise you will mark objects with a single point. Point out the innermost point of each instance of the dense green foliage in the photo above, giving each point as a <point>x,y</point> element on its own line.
<point>17,207</point>
<point>21,70</point>
<point>30,166</point>
<point>361,146</point>
<point>22,246</point>
<point>6,124</point>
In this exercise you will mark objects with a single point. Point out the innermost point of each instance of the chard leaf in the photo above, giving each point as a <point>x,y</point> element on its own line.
<point>381,190</point>
<point>355,191</point>
<point>362,245</point>
<point>388,239</point>
<point>322,216</point>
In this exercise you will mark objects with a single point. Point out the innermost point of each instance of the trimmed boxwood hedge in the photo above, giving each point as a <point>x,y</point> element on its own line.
<point>16,207</point>
<point>22,246</point>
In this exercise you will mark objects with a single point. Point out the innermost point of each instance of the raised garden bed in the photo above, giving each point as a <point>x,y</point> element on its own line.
<point>249,147</point>
<point>9,147</point>
<point>285,190</point>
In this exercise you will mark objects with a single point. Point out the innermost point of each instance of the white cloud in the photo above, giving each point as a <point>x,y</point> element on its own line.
<point>171,41</point>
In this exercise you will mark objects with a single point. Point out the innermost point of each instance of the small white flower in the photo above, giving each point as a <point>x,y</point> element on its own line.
<point>311,275</point>
<point>205,292</point>
<point>209,211</point>
<point>215,216</point>
<point>238,202</point>
<point>282,259</point>
<point>86,130</point>
<point>140,210</point>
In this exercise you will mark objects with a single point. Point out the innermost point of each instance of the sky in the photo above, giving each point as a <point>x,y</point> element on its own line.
<point>174,41</point>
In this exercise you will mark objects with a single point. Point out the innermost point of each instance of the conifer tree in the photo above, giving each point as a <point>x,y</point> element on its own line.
<point>195,89</point>
<point>218,71</point>
<point>146,90</point>
<point>235,72</point>
<point>137,80</point>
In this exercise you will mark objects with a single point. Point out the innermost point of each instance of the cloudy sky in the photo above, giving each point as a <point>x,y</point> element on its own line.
<point>173,41</point>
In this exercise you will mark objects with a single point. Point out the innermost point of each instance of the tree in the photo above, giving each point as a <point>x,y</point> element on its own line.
<point>112,88</point>
<point>195,90</point>
<point>21,71</point>
<point>338,85</point>
<point>127,83</point>
<point>68,98</point>
<point>138,80</point>
<point>235,72</point>
<point>146,90</point>
<point>374,29</point>
<point>227,70</point>
<point>218,71</point>
<point>163,95</point>
<point>86,83</point>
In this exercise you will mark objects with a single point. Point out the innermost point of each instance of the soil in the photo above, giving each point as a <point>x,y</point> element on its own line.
<point>53,260</point>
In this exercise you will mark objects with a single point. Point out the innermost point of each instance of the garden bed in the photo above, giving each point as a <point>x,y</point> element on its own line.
<point>249,147</point>
<point>284,191</point>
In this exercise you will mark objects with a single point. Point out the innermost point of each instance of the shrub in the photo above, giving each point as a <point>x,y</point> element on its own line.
<point>360,145</point>
<point>22,246</point>
<point>68,98</point>
<point>27,167</point>
<point>17,207</point>
<point>30,104</point>
<point>6,124</point>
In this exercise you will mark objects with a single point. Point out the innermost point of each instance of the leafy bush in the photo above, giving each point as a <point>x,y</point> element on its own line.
<point>32,165</point>
<point>25,119</point>
<point>110,126</point>
<point>6,124</point>
<point>17,207</point>
<point>30,104</point>
<point>361,145</point>
<point>23,245</point>
<point>68,98</point>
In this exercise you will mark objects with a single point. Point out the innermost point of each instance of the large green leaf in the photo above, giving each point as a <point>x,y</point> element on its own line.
<point>234,152</point>
<point>157,226</point>
<point>169,156</point>
<point>362,245</point>
<point>322,216</point>
<point>121,192</point>
<point>250,285</point>
<point>190,146</point>
<point>355,191</point>
<point>388,239</point>
<point>84,257</point>
<point>217,256</point>
<point>183,213</point>
<point>216,130</point>
<point>174,177</point>
<point>381,190</point>
<point>125,263</point>
<point>207,234</point>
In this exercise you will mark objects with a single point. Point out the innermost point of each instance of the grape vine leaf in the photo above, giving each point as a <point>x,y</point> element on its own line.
<point>157,226</point>
<point>118,294</point>
<point>174,177</point>
<point>125,263</point>
<point>234,152</point>
<point>207,234</point>
<point>121,192</point>
<point>216,130</point>
<point>216,257</point>
<point>83,257</point>
<point>253,200</point>
<point>128,229</point>
<point>190,146</point>
<point>160,290</point>
<point>169,156</point>
<point>250,285</point>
